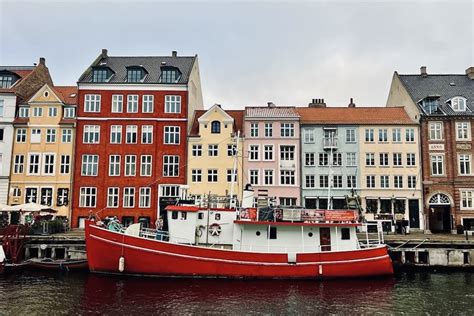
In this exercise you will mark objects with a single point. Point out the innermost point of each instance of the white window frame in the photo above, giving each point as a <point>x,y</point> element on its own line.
<point>172,104</point>
<point>465,159</point>
<point>48,167</point>
<point>128,197</point>
<point>213,150</point>
<point>254,130</point>
<point>196,150</point>
<point>66,135</point>
<point>131,130</point>
<point>147,134</point>
<point>113,195</point>
<point>266,151</point>
<point>148,105</point>
<point>466,199</point>
<point>89,165</point>
<point>196,175</point>
<point>65,164</point>
<point>91,134</point>
<point>435,131</point>
<point>172,135</point>
<point>350,135</point>
<point>130,169</point>
<point>440,159</point>
<point>254,152</point>
<point>87,193</point>
<point>146,165</point>
<point>268,129</point>
<point>114,165</point>
<point>36,164</point>
<point>144,197</point>
<point>50,135</point>
<point>132,103</point>
<point>52,111</point>
<point>117,103</point>
<point>21,135</point>
<point>308,135</point>
<point>19,164</point>
<point>171,165</point>
<point>92,103</point>
<point>254,174</point>
<point>465,129</point>
<point>287,130</point>
<point>268,174</point>
<point>115,134</point>
<point>397,135</point>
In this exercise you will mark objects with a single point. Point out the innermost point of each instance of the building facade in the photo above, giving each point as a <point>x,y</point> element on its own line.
<point>43,149</point>
<point>133,115</point>
<point>272,153</point>
<point>215,156</point>
<point>17,83</point>
<point>443,104</point>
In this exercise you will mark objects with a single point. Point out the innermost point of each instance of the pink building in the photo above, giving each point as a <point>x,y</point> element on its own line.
<point>271,153</point>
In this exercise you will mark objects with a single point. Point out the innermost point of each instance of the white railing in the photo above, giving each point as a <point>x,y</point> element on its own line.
<point>371,239</point>
<point>329,142</point>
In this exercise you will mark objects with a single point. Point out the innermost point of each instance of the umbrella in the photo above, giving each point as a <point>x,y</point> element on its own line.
<point>32,207</point>
<point>4,207</point>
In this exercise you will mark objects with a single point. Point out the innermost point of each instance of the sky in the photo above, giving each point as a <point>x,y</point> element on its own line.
<point>251,52</point>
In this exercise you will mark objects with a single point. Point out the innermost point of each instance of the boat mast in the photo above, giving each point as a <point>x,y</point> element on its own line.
<point>233,202</point>
<point>330,178</point>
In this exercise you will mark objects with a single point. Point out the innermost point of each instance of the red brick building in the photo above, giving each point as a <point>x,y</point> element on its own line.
<point>444,106</point>
<point>132,121</point>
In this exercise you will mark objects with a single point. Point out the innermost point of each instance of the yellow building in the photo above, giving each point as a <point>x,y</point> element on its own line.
<point>212,157</point>
<point>43,149</point>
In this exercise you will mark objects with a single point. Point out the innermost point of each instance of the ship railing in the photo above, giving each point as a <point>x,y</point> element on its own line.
<point>373,239</point>
<point>281,249</point>
<point>296,214</point>
<point>155,234</point>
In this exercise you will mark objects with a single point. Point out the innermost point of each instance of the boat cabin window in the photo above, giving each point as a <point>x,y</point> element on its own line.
<point>217,216</point>
<point>184,215</point>
<point>200,215</point>
<point>174,215</point>
<point>345,234</point>
<point>257,233</point>
<point>310,234</point>
<point>272,233</point>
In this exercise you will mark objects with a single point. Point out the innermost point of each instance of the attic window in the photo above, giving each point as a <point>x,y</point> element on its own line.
<point>458,104</point>
<point>430,105</point>
<point>6,81</point>
<point>100,75</point>
<point>169,75</point>
<point>135,74</point>
<point>215,127</point>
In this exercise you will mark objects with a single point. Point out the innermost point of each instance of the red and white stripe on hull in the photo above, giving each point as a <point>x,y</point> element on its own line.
<point>150,257</point>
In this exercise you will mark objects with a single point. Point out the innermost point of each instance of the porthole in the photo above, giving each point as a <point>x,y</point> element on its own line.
<point>310,234</point>
<point>257,233</point>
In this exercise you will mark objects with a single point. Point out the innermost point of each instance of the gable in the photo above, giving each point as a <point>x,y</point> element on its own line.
<point>215,113</point>
<point>45,95</point>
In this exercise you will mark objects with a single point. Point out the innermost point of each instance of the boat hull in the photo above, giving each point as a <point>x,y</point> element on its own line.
<point>155,258</point>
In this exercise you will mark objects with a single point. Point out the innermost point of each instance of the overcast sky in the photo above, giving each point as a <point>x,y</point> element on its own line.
<point>251,53</point>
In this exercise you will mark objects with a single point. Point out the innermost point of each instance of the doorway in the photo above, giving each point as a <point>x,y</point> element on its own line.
<point>325,238</point>
<point>414,213</point>
<point>440,218</point>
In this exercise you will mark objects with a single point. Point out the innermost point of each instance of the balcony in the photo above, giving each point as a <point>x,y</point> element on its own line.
<point>329,143</point>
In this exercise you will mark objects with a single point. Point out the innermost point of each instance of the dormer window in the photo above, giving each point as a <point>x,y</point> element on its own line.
<point>7,79</point>
<point>215,127</point>
<point>169,75</point>
<point>458,104</point>
<point>430,105</point>
<point>100,74</point>
<point>135,74</point>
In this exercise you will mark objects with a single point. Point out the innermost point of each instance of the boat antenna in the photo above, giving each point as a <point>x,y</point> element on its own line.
<point>233,202</point>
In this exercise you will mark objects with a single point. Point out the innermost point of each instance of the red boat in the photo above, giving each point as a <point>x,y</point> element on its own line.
<point>251,243</point>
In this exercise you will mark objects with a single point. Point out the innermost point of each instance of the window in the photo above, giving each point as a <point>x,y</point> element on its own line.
<point>463,130</point>
<point>21,135</point>
<point>117,103</point>
<point>50,135</point>
<point>215,127</point>
<point>212,175</point>
<point>231,150</point>
<point>268,129</point>
<point>128,197</point>
<point>397,159</point>
<point>172,134</point>
<point>99,75</point>
<point>92,103</point>
<point>19,164</point>
<point>398,182</point>
<point>46,196</point>
<point>197,150</point>
<point>213,150</point>
<point>370,159</point>
<point>254,176</point>
<point>172,104</point>
<point>435,130</point>
<point>37,112</point>
<point>369,135</point>
<point>308,135</point>
<point>464,164</point>
<point>287,130</point>
<point>66,136</point>
<point>384,182</point>
<point>253,152</point>
<point>114,165</point>
<point>411,182</point>
<point>287,152</point>
<point>272,233</point>
<point>113,197</point>
<point>411,159</point>
<point>130,165</point>
<point>383,135</point>
<point>437,168</point>
<point>396,135</point>
<point>169,75</point>
<point>410,135</point>
<point>90,165</point>
<point>383,159</point>
<point>323,159</point>
<point>268,152</point>
<point>147,103</point>
<point>337,181</point>
<point>6,81</point>
<point>231,175</point>
<point>467,199</point>
<point>370,181</point>
<point>134,75</point>
<point>2,134</point>
<point>253,129</point>
<point>35,135</point>
<point>31,195</point>
<point>52,112</point>
<point>287,201</point>
<point>65,164</point>
<point>62,197</point>
<point>337,159</point>
<point>287,177</point>
<point>323,181</point>
<point>458,104</point>
<point>69,113</point>
<point>22,112</point>
<point>131,134</point>
<point>132,103</point>
<point>309,159</point>
<point>196,175</point>
<point>87,197</point>
<point>144,198</point>
<point>145,165</point>
<point>345,234</point>
<point>351,159</point>
<point>34,164</point>
<point>116,134</point>
<point>91,134</point>
<point>147,134</point>
<point>350,135</point>
<point>268,177</point>
<point>351,181</point>
<point>170,166</point>
<point>2,106</point>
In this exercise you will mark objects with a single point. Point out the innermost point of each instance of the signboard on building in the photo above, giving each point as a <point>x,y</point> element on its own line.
<point>463,146</point>
<point>436,146</point>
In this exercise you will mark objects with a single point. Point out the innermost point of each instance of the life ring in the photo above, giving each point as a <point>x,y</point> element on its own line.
<point>215,229</point>
<point>199,231</point>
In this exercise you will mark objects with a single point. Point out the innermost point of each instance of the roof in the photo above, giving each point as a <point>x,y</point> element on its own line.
<point>152,65</point>
<point>21,71</point>
<point>237,115</point>
<point>271,112</point>
<point>355,116</point>
<point>444,86</point>
<point>67,94</point>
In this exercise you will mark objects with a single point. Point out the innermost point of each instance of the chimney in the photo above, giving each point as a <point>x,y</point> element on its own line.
<point>352,104</point>
<point>470,73</point>
<point>174,53</point>
<point>271,104</point>
<point>42,61</point>
<point>317,103</point>
<point>423,72</point>
<point>104,53</point>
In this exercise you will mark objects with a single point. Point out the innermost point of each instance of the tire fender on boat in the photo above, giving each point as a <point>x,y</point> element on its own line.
<point>215,229</point>
<point>121,266</point>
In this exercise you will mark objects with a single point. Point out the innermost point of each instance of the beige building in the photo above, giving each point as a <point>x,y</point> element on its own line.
<point>43,149</point>
<point>212,157</point>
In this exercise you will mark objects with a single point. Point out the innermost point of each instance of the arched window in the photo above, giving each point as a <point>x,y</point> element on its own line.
<point>439,199</point>
<point>458,104</point>
<point>215,127</point>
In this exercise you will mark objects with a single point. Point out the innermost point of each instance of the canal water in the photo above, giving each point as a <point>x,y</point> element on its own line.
<point>83,293</point>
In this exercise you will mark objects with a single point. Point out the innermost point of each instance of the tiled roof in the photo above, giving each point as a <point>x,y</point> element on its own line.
<point>271,112</point>
<point>237,115</point>
<point>21,71</point>
<point>152,64</point>
<point>444,86</point>
<point>354,116</point>
<point>68,94</point>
